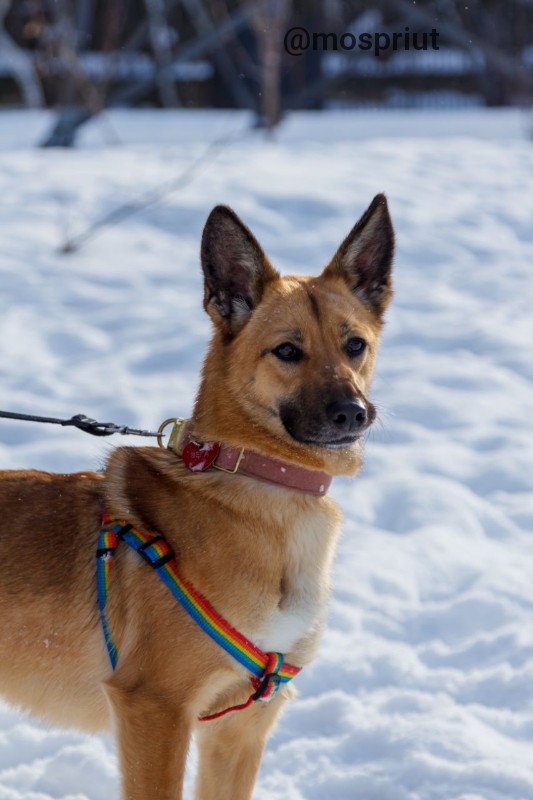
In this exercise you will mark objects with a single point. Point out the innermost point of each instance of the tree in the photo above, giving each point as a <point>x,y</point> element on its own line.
<point>22,63</point>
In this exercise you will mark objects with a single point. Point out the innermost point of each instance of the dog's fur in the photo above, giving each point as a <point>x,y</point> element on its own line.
<point>261,554</point>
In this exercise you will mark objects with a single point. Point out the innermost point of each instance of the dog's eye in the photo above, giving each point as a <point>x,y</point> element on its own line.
<point>355,346</point>
<point>287,352</point>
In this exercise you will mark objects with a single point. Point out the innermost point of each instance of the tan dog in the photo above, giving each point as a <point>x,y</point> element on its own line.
<point>287,375</point>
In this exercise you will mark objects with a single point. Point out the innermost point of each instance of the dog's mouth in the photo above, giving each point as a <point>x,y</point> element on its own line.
<point>336,444</point>
<point>339,445</point>
<point>319,439</point>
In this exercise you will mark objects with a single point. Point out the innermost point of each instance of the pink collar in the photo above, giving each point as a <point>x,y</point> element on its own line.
<point>201,456</point>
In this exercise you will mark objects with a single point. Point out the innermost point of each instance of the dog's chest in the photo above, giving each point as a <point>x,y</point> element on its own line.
<point>304,587</point>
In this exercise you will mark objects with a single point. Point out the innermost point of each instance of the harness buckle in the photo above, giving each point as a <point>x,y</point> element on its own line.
<point>156,563</point>
<point>266,688</point>
<point>268,684</point>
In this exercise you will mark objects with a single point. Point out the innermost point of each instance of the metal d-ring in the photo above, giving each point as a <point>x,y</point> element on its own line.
<point>176,434</point>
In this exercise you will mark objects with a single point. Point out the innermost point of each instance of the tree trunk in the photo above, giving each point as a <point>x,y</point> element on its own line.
<point>21,63</point>
<point>205,26</point>
<point>159,34</point>
<point>269,26</point>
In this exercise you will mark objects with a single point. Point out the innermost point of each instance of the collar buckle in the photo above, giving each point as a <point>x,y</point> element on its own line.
<point>235,466</point>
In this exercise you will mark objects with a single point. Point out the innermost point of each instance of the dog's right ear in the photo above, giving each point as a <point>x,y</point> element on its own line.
<point>236,270</point>
<point>364,259</point>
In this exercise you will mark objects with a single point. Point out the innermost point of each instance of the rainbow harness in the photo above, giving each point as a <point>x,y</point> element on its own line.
<point>269,670</point>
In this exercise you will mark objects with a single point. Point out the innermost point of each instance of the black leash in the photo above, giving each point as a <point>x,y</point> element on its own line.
<point>83,423</point>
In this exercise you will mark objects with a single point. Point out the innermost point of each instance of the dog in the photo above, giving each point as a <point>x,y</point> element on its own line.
<point>282,407</point>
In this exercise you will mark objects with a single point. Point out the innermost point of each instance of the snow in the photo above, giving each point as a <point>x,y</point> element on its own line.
<point>422,688</point>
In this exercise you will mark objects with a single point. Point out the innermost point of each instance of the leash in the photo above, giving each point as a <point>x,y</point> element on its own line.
<point>83,423</point>
<point>269,670</point>
<point>201,456</point>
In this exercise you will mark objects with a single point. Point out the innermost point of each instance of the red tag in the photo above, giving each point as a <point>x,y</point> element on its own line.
<point>199,457</point>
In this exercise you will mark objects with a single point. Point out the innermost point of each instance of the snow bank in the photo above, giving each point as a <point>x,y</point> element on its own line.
<point>422,690</point>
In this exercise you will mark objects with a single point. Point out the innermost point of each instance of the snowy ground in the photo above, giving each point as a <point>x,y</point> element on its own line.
<point>423,689</point>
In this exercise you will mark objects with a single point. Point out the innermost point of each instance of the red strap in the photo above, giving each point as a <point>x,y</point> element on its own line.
<point>265,689</point>
<point>199,457</point>
<point>219,714</point>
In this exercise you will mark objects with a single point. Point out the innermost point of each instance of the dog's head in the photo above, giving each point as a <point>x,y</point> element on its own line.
<point>290,367</point>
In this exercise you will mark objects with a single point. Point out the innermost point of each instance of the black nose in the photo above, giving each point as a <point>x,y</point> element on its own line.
<point>347,415</point>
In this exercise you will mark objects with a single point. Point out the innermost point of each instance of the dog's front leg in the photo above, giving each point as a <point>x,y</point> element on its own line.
<point>230,751</point>
<point>153,738</point>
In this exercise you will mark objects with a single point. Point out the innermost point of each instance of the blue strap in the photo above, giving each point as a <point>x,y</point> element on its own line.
<point>107,544</point>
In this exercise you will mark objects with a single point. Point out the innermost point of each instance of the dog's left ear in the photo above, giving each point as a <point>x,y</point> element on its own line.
<point>364,259</point>
<point>236,270</point>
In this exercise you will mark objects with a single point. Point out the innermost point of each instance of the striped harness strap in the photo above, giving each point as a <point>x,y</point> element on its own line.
<point>269,670</point>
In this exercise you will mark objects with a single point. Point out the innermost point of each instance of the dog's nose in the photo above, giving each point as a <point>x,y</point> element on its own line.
<point>347,415</point>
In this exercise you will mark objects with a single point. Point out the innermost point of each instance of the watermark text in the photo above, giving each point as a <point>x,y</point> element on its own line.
<point>298,40</point>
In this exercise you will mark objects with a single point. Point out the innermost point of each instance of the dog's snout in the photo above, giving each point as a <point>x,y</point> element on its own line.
<point>347,415</point>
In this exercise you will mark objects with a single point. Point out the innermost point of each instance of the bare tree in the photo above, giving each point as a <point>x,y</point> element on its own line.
<point>21,62</point>
<point>79,96</point>
<point>497,59</point>
<point>269,23</point>
<point>205,26</point>
<point>213,38</point>
<point>161,41</point>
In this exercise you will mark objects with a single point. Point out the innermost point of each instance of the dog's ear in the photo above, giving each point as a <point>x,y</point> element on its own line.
<point>236,270</point>
<point>364,259</point>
